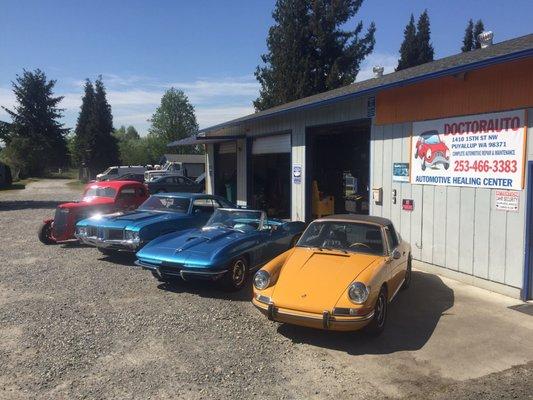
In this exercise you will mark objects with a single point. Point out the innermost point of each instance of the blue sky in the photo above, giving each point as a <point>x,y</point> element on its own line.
<point>209,49</point>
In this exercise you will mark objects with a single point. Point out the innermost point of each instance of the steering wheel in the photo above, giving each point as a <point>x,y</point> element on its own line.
<point>360,245</point>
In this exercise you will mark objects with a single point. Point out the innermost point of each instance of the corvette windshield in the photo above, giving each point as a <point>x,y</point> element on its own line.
<point>243,220</point>
<point>352,237</point>
<point>166,204</point>
<point>96,191</point>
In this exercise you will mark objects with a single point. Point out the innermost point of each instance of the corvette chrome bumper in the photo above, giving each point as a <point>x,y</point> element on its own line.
<point>111,244</point>
<point>163,271</point>
<point>325,320</point>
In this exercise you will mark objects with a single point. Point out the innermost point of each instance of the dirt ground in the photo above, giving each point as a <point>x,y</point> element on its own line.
<point>75,324</point>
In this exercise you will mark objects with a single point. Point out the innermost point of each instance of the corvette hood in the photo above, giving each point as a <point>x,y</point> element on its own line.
<point>195,245</point>
<point>312,280</point>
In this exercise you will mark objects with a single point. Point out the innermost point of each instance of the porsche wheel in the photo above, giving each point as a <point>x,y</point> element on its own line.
<point>45,233</point>
<point>377,326</point>
<point>408,274</point>
<point>236,276</point>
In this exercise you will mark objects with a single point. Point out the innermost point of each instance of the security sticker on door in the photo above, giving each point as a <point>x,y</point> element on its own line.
<point>506,200</point>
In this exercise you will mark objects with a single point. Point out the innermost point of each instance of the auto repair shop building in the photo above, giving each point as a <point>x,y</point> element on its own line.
<point>441,149</point>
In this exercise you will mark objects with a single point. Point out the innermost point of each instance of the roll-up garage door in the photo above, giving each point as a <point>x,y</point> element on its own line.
<point>272,144</point>
<point>227,147</point>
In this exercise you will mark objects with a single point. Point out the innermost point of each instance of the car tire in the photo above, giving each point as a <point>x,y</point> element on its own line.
<point>423,165</point>
<point>408,274</point>
<point>45,233</point>
<point>237,275</point>
<point>446,166</point>
<point>377,325</point>
<point>416,154</point>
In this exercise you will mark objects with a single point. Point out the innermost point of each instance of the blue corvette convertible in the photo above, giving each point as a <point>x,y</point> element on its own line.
<point>158,215</point>
<point>233,243</point>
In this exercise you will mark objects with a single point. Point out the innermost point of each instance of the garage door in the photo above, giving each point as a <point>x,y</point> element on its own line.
<point>272,144</point>
<point>227,148</point>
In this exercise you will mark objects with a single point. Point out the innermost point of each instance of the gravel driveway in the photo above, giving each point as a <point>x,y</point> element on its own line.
<point>74,324</point>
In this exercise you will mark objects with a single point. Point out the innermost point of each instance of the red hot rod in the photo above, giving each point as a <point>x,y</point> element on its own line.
<point>98,198</point>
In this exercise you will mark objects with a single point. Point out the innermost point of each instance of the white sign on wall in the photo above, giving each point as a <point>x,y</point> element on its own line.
<point>506,200</point>
<point>485,150</point>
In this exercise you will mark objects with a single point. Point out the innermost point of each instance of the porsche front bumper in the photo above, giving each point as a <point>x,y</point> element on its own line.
<point>325,320</point>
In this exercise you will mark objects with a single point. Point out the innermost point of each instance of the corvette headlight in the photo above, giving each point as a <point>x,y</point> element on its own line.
<point>358,292</point>
<point>261,279</point>
<point>131,235</point>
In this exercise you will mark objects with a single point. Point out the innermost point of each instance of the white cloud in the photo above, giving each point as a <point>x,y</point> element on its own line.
<point>386,60</point>
<point>134,99</point>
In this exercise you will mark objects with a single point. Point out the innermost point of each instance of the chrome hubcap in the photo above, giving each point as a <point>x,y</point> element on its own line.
<point>239,270</point>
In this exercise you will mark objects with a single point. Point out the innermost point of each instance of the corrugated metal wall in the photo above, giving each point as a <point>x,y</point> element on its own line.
<point>452,227</point>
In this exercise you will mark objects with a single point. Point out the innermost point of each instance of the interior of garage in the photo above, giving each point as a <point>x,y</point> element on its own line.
<point>226,170</point>
<point>338,168</point>
<point>270,183</point>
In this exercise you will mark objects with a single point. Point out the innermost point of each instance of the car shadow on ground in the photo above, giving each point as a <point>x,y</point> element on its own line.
<point>122,258</point>
<point>412,318</point>
<point>27,205</point>
<point>208,289</point>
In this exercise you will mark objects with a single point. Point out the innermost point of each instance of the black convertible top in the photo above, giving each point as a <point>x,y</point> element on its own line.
<point>357,218</point>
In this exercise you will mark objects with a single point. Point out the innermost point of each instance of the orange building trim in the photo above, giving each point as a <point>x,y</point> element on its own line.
<point>499,87</point>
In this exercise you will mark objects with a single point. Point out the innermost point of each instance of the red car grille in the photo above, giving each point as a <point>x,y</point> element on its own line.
<point>439,154</point>
<point>60,221</point>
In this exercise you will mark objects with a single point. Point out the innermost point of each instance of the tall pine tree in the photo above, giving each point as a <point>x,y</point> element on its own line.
<point>468,39</point>
<point>423,39</point>
<point>83,141</point>
<point>416,47</point>
<point>409,47</point>
<point>95,146</point>
<point>478,28</point>
<point>105,151</point>
<point>309,52</point>
<point>37,139</point>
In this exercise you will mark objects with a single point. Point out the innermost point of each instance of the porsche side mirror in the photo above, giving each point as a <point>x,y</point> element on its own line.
<point>396,254</point>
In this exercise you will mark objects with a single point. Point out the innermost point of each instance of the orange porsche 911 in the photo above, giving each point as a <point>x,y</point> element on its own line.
<point>341,275</point>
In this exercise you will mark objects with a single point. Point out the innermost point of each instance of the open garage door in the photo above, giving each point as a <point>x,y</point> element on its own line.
<point>270,183</point>
<point>338,169</point>
<point>226,170</point>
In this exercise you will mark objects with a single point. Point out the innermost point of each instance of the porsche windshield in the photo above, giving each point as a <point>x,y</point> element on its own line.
<point>243,220</point>
<point>344,236</point>
<point>166,204</point>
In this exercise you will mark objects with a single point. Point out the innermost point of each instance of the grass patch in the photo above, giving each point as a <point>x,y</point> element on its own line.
<point>76,185</point>
<point>66,174</point>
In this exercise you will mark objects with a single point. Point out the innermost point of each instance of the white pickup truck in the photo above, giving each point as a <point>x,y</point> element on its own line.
<point>188,169</point>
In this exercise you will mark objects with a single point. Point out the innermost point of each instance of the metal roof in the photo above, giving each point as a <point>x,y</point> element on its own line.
<point>185,158</point>
<point>508,50</point>
<point>357,218</point>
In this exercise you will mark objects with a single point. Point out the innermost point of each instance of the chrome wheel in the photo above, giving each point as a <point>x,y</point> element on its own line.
<point>238,273</point>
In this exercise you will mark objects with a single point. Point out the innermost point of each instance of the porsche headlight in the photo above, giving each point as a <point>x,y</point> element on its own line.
<point>261,279</point>
<point>132,236</point>
<point>358,292</point>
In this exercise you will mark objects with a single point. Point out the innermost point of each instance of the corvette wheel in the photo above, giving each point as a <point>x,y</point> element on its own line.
<point>236,276</point>
<point>377,326</point>
<point>408,274</point>
<point>45,233</point>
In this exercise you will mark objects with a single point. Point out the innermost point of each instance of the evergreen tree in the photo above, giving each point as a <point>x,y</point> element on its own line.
<point>37,139</point>
<point>174,119</point>
<point>468,40</point>
<point>308,52</point>
<point>478,28</point>
<point>83,141</point>
<point>104,149</point>
<point>409,48</point>
<point>423,39</point>
<point>131,133</point>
